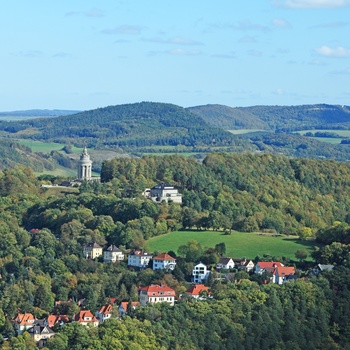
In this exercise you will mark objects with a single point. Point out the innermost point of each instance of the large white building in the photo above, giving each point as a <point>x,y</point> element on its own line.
<point>113,254</point>
<point>156,294</point>
<point>139,258</point>
<point>200,273</point>
<point>163,192</point>
<point>164,262</point>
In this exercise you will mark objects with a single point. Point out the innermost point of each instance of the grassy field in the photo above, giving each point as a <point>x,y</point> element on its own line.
<point>238,244</point>
<point>39,146</point>
<point>334,140</point>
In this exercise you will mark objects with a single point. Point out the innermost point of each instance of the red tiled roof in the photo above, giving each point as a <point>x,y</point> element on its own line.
<point>53,319</point>
<point>196,289</point>
<point>82,315</point>
<point>112,300</point>
<point>163,256</point>
<point>285,270</point>
<point>159,290</point>
<point>125,304</point>
<point>269,264</point>
<point>24,319</point>
<point>106,309</point>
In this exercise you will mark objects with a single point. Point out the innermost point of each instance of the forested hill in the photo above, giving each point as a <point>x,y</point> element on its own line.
<point>280,118</point>
<point>139,124</point>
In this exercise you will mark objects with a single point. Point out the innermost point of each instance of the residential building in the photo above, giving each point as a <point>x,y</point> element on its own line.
<point>198,291</point>
<point>266,266</point>
<point>200,273</point>
<point>113,254</point>
<point>156,294</point>
<point>85,317</point>
<point>41,333</point>
<point>53,319</point>
<point>23,322</point>
<point>225,263</point>
<point>163,192</point>
<point>139,258</point>
<point>92,250</point>
<point>124,306</point>
<point>105,313</point>
<point>281,273</point>
<point>164,262</point>
<point>246,265</point>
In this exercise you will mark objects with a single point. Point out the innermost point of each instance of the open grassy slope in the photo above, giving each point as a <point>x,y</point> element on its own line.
<point>238,244</point>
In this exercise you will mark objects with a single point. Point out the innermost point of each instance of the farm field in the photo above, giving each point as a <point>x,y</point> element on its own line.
<point>39,146</point>
<point>238,244</point>
<point>334,140</point>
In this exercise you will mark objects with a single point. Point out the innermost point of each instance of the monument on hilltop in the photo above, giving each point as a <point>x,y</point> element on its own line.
<point>84,166</point>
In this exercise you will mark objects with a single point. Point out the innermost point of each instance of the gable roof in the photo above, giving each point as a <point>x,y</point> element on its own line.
<point>158,290</point>
<point>82,315</point>
<point>139,252</point>
<point>24,319</point>
<point>269,264</point>
<point>41,330</point>
<point>106,309</point>
<point>53,319</point>
<point>196,289</point>
<point>124,305</point>
<point>114,249</point>
<point>163,256</point>
<point>225,261</point>
<point>93,245</point>
<point>285,271</point>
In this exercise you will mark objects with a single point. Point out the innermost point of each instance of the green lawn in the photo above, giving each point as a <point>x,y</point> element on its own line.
<point>238,244</point>
<point>39,146</point>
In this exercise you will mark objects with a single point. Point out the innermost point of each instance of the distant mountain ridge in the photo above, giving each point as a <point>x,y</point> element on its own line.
<point>275,118</point>
<point>39,113</point>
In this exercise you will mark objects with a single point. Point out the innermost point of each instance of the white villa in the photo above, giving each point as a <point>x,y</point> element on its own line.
<point>163,192</point>
<point>200,273</point>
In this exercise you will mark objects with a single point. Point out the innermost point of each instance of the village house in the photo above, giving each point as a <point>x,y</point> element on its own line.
<point>23,322</point>
<point>105,313</point>
<point>156,294</point>
<point>124,306</point>
<point>92,250</point>
<point>281,273</point>
<point>266,266</point>
<point>163,192</point>
<point>225,263</point>
<point>139,258</point>
<point>198,291</point>
<point>85,317</point>
<point>41,333</point>
<point>321,268</point>
<point>164,262</point>
<point>113,254</point>
<point>51,320</point>
<point>200,273</point>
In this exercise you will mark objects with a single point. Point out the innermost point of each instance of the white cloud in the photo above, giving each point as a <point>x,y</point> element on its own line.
<point>280,23</point>
<point>333,52</point>
<point>308,4</point>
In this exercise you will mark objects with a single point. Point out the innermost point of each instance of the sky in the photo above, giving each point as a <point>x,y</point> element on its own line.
<point>87,54</point>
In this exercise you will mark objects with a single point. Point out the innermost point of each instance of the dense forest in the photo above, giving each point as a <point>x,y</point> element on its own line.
<point>262,192</point>
<point>147,127</point>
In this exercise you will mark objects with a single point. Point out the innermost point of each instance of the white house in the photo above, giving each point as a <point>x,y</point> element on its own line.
<point>200,273</point>
<point>156,294</point>
<point>281,273</point>
<point>164,262</point>
<point>163,192</point>
<point>92,250</point>
<point>113,254</point>
<point>85,317</point>
<point>139,258</point>
<point>23,322</point>
<point>266,266</point>
<point>105,313</point>
<point>225,263</point>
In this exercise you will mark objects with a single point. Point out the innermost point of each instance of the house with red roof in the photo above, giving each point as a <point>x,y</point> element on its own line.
<point>156,294</point>
<point>85,317</point>
<point>23,322</point>
<point>282,273</point>
<point>105,313</point>
<point>197,291</point>
<point>124,305</point>
<point>53,319</point>
<point>164,262</point>
<point>267,266</point>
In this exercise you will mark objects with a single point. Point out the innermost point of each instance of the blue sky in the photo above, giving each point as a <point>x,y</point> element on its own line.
<point>89,54</point>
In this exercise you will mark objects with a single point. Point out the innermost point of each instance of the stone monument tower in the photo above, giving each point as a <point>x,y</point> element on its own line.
<point>84,166</point>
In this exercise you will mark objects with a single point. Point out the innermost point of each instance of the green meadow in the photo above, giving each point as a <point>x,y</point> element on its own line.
<point>334,140</point>
<point>238,244</point>
<point>45,147</point>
